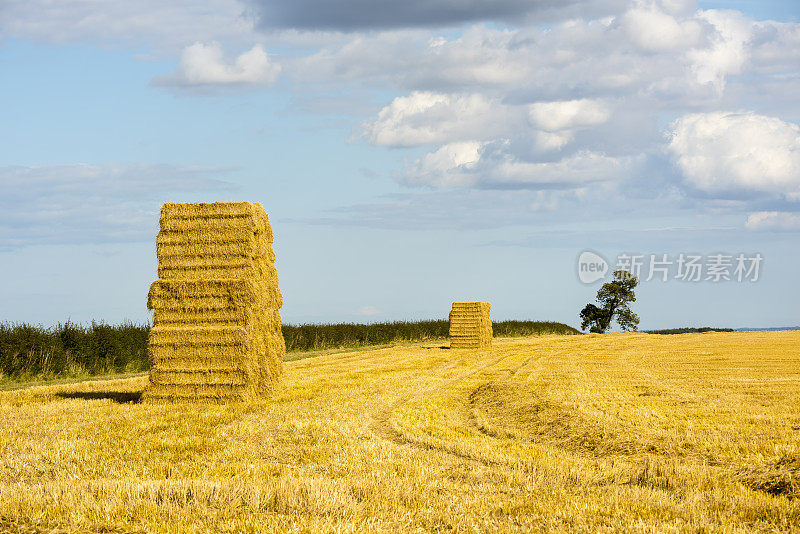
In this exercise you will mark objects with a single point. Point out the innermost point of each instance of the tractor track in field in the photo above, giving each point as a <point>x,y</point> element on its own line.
<point>471,404</point>
<point>383,427</point>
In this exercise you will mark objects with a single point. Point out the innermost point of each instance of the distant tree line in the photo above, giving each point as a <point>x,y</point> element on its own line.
<point>70,349</point>
<point>688,330</point>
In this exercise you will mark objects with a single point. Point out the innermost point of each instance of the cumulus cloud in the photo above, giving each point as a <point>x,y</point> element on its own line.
<point>80,203</point>
<point>773,220</point>
<point>676,56</point>
<point>511,107</point>
<point>424,117</point>
<point>572,60</point>
<point>465,120</point>
<point>619,76</point>
<point>518,105</point>
<point>730,153</point>
<point>727,50</point>
<point>204,65</point>
<point>495,165</point>
<point>655,30</point>
<point>450,165</point>
<point>562,115</point>
<point>549,141</point>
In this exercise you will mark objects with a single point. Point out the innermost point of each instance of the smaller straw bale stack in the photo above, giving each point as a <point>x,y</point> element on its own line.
<point>470,325</point>
<point>216,332</point>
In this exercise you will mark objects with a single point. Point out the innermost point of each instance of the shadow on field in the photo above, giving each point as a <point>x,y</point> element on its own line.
<point>121,397</point>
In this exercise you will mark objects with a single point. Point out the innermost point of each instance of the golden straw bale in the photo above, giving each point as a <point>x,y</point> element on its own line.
<point>169,245</point>
<point>219,219</point>
<point>470,325</point>
<point>216,332</point>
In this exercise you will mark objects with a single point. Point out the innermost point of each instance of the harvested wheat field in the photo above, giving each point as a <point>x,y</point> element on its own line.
<point>632,432</point>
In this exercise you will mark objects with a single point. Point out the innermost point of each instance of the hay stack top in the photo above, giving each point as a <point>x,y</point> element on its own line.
<point>470,325</point>
<point>213,241</point>
<point>216,326</point>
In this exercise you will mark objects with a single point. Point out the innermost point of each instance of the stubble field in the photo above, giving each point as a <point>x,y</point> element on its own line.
<point>635,432</point>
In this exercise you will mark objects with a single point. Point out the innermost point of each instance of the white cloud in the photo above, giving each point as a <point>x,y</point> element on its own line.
<point>580,168</point>
<point>550,141</point>
<point>447,166</point>
<point>478,56</point>
<point>496,166</point>
<point>662,55</point>
<point>735,152</point>
<point>424,117</point>
<point>773,220</point>
<point>565,114</point>
<point>654,30</point>
<point>514,107</point>
<point>774,47</point>
<point>485,143</point>
<point>677,7</point>
<point>506,106</point>
<point>727,50</point>
<point>572,60</point>
<point>204,65</point>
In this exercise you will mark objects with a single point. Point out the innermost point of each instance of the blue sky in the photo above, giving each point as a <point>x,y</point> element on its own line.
<point>406,159</point>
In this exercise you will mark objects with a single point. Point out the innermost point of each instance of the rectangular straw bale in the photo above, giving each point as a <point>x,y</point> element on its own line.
<point>245,212</point>
<point>217,327</point>
<point>470,325</point>
<point>216,219</point>
<point>167,245</point>
<point>191,266</point>
<point>209,296</point>
<point>197,269</point>
<point>199,377</point>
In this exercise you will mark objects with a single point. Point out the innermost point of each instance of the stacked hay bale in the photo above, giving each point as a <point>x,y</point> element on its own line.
<point>216,332</point>
<point>470,325</point>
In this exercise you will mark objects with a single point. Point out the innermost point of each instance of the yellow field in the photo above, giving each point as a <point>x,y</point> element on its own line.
<point>637,432</point>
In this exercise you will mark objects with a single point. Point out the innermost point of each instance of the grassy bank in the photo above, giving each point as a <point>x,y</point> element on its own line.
<point>30,352</point>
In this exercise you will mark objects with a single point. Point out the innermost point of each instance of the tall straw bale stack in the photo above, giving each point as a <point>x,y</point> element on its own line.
<point>216,332</point>
<point>470,325</point>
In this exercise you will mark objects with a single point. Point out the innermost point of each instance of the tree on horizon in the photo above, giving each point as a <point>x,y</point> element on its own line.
<point>614,299</point>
